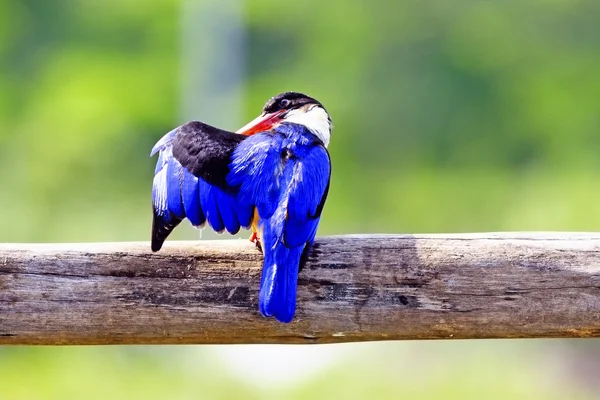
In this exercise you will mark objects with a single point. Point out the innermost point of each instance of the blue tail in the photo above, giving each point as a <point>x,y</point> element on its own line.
<point>279,280</point>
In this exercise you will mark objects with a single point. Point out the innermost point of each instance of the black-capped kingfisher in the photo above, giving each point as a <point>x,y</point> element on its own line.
<point>272,175</point>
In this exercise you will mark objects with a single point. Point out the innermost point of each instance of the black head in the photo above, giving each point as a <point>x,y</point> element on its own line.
<point>289,101</point>
<point>292,107</point>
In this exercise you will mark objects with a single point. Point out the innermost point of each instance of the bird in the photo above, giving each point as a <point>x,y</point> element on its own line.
<point>271,176</point>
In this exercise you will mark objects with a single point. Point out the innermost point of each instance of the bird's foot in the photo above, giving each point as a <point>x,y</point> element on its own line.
<point>256,240</point>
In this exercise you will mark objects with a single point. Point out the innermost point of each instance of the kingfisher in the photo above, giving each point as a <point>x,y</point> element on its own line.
<point>271,176</point>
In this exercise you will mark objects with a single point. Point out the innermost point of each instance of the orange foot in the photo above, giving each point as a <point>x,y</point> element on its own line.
<point>256,240</point>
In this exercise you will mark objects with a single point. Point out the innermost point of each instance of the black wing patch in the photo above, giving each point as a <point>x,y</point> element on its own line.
<point>205,151</point>
<point>161,228</point>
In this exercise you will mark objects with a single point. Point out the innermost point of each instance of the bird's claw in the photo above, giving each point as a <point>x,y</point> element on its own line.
<point>254,237</point>
<point>256,240</point>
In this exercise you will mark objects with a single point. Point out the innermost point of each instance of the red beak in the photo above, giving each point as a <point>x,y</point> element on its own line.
<point>264,122</point>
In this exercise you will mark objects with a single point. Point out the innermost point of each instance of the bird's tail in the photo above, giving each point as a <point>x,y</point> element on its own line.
<point>279,280</point>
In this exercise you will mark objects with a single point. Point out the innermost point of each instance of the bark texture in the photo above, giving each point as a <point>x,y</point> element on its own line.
<point>353,288</point>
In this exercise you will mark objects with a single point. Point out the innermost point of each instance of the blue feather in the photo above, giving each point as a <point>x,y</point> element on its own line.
<point>159,190</point>
<point>277,296</point>
<point>255,169</point>
<point>226,205</point>
<point>310,182</point>
<point>161,162</point>
<point>290,281</point>
<point>267,302</point>
<point>298,232</point>
<point>164,142</point>
<point>208,202</point>
<point>174,176</point>
<point>245,213</point>
<point>190,196</point>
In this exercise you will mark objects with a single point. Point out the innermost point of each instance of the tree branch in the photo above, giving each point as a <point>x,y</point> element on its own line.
<point>354,288</point>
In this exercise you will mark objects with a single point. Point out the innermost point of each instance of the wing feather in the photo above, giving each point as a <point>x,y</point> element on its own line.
<point>190,181</point>
<point>256,169</point>
<point>205,151</point>
<point>308,192</point>
<point>190,196</point>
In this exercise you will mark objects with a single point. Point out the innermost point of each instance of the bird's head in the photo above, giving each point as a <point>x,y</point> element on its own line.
<point>292,107</point>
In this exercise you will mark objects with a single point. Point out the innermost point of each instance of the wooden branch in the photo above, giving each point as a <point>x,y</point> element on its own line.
<point>354,288</point>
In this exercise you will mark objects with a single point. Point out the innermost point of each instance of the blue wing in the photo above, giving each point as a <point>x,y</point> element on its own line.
<point>189,182</point>
<point>307,197</point>
<point>256,170</point>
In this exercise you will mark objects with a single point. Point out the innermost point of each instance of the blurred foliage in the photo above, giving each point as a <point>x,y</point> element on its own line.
<point>425,370</point>
<point>449,116</point>
<point>473,116</point>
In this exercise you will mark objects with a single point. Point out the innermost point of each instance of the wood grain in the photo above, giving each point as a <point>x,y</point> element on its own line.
<point>354,288</point>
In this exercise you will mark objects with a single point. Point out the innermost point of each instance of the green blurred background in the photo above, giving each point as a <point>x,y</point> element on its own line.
<point>449,116</point>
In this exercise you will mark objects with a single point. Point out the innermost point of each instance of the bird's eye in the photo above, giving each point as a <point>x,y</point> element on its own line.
<point>284,103</point>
